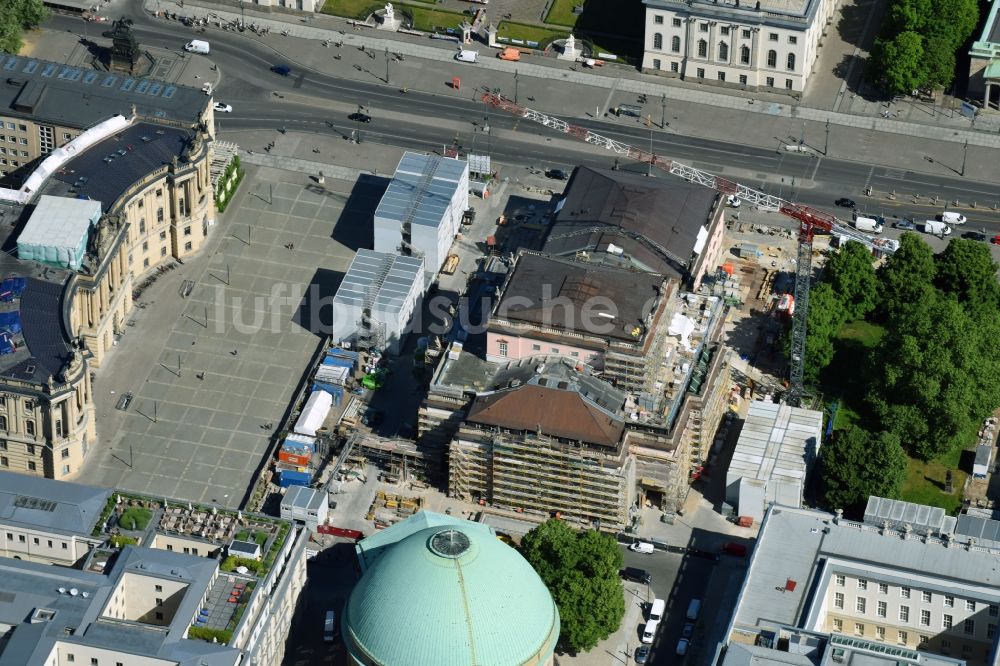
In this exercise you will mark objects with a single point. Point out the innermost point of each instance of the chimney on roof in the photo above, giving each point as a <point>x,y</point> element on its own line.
<point>840,512</point>
<point>907,529</point>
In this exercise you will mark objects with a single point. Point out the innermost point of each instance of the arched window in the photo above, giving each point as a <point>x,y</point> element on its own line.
<point>791,62</point>
<point>657,41</point>
<point>675,44</point>
<point>723,51</point>
<point>745,55</point>
<point>702,48</point>
<point>772,58</point>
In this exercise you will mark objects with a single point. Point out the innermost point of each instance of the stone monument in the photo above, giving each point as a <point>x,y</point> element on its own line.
<point>569,51</point>
<point>389,20</point>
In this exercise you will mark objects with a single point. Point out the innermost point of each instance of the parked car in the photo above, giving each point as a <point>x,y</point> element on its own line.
<point>223,108</point>
<point>641,547</point>
<point>995,240</point>
<point>556,174</point>
<point>682,647</point>
<point>283,70</point>
<point>642,654</point>
<point>688,630</point>
<point>636,575</point>
<point>904,224</point>
<point>975,235</point>
<point>845,202</point>
<point>733,201</point>
<point>359,117</point>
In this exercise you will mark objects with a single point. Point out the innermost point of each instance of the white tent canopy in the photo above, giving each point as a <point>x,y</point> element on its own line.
<point>314,413</point>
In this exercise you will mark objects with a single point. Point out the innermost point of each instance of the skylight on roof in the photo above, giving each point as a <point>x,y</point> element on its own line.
<point>49,70</point>
<point>31,67</point>
<point>109,81</point>
<point>169,92</point>
<point>11,64</point>
<point>155,89</point>
<point>26,502</point>
<point>89,77</point>
<point>127,85</point>
<point>142,87</point>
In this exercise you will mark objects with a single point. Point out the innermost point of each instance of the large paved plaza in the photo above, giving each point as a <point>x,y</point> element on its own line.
<point>223,342</point>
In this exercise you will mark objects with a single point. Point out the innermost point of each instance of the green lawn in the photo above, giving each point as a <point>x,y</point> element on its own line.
<point>135,518</point>
<point>529,33</point>
<point>925,483</point>
<point>861,331</point>
<point>561,13</point>
<point>425,17</point>
<point>430,20</point>
<point>356,9</point>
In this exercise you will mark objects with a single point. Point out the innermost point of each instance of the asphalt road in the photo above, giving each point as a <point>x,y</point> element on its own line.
<point>309,101</point>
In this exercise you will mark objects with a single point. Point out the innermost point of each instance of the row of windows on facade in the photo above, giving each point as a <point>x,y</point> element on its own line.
<point>722,52</point>
<point>13,152</point>
<point>700,73</point>
<point>926,618</point>
<point>35,540</point>
<point>503,345</point>
<point>29,429</point>
<point>70,657</point>
<point>725,29</point>
<point>925,595</point>
<point>902,637</point>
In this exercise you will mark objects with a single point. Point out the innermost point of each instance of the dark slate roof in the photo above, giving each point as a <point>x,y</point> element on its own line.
<point>565,294</point>
<point>669,212</point>
<point>57,506</point>
<point>555,411</point>
<point>82,97</point>
<point>115,164</point>
<point>42,321</point>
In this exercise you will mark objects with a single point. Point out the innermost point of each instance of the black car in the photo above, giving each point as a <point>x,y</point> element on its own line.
<point>642,654</point>
<point>904,224</point>
<point>283,70</point>
<point>845,202</point>
<point>974,235</point>
<point>359,117</point>
<point>556,174</point>
<point>636,575</point>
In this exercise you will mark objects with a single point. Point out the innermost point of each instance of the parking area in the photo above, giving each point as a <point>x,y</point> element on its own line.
<point>231,346</point>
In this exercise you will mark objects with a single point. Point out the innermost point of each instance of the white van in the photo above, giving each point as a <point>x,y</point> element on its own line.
<point>649,631</point>
<point>641,547</point>
<point>953,218</point>
<point>197,46</point>
<point>694,609</point>
<point>656,610</point>
<point>466,56</point>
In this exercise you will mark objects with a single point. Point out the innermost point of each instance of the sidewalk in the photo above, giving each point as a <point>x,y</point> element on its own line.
<point>984,131</point>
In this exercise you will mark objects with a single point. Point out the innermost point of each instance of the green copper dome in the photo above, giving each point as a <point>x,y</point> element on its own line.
<point>451,594</point>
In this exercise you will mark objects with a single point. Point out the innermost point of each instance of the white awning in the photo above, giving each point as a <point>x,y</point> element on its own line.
<point>314,413</point>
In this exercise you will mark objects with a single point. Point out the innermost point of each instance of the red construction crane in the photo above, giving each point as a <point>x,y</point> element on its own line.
<point>811,220</point>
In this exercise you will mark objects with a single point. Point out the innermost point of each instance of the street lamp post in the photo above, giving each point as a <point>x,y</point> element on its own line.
<point>965,154</point>
<point>515,86</point>
<point>243,16</point>
<point>826,145</point>
<point>387,65</point>
<point>663,111</point>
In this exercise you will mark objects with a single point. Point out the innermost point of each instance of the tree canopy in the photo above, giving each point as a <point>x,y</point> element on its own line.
<point>851,274</point>
<point>581,570</point>
<point>966,270</point>
<point>906,276</point>
<point>16,16</point>
<point>918,43</point>
<point>857,464</point>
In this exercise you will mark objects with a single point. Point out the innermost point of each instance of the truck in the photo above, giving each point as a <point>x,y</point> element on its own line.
<point>197,46</point>
<point>450,264</point>
<point>868,224</point>
<point>935,228</point>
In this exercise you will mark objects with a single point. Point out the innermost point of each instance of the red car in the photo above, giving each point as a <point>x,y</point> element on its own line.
<point>995,240</point>
<point>735,549</point>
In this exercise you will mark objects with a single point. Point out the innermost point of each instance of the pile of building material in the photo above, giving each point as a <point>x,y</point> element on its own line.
<point>389,508</point>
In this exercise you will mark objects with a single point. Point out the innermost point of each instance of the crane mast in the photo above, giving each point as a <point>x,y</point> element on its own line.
<point>811,220</point>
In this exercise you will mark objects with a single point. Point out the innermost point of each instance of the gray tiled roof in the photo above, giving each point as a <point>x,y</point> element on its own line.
<point>78,597</point>
<point>49,92</point>
<point>421,189</point>
<point>669,212</point>
<point>56,506</point>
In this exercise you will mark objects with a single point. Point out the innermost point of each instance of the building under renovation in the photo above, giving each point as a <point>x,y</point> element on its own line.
<point>547,445</point>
